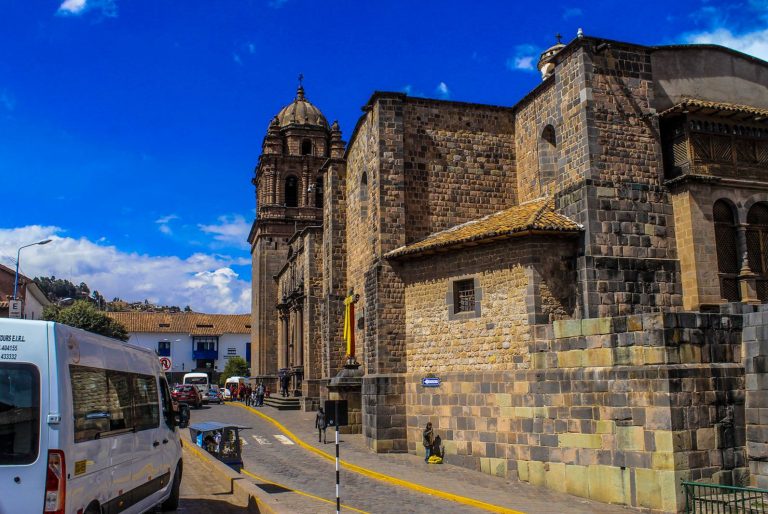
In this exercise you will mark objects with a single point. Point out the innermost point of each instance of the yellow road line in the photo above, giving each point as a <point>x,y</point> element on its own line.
<point>302,493</point>
<point>386,478</point>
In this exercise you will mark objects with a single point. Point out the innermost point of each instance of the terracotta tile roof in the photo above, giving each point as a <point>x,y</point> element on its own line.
<point>735,111</point>
<point>537,216</point>
<point>192,323</point>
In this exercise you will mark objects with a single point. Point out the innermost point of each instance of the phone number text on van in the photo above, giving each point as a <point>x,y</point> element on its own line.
<point>8,356</point>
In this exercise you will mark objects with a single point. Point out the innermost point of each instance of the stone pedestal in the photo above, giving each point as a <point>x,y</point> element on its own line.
<point>347,385</point>
<point>310,394</point>
<point>748,287</point>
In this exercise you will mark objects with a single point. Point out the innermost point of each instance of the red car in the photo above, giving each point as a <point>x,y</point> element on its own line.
<point>187,394</point>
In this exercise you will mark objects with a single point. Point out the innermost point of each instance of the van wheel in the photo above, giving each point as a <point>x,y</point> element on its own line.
<point>93,508</point>
<point>172,503</point>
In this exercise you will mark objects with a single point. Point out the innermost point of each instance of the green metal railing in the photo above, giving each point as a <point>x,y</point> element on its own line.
<point>701,498</point>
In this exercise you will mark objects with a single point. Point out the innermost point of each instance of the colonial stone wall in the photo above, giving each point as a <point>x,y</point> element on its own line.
<point>448,145</point>
<point>516,283</point>
<point>362,210</point>
<point>334,268</point>
<point>268,255</point>
<point>614,409</point>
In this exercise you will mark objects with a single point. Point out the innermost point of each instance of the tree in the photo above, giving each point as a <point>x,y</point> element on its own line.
<point>85,315</point>
<point>236,367</point>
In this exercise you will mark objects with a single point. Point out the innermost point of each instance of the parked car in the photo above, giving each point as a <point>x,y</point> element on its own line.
<point>188,394</point>
<point>214,396</point>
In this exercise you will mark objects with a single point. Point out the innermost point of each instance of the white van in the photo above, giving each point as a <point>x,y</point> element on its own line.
<point>199,380</point>
<point>86,423</point>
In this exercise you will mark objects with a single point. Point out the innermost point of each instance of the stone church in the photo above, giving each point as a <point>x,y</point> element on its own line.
<point>581,274</point>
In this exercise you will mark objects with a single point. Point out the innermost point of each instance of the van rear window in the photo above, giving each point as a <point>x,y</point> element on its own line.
<point>19,413</point>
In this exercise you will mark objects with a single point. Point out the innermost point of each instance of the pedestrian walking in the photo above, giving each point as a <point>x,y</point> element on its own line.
<point>428,440</point>
<point>321,424</point>
<point>284,385</point>
<point>260,394</point>
<point>248,393</point>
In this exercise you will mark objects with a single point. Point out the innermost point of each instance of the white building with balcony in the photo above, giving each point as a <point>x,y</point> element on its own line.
<point>193,341</point>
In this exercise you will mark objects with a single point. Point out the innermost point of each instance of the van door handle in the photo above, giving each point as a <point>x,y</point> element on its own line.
<point>156,444</point>
<point>165,441</point>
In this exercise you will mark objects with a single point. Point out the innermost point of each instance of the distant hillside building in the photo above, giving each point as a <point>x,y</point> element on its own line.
<point>193,341</point>
<point>584,271</point>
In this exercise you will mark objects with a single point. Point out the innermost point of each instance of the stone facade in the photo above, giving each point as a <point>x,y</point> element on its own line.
<point>582,271</point>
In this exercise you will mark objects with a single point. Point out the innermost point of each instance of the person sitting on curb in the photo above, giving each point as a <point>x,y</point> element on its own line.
<point>428,440</point>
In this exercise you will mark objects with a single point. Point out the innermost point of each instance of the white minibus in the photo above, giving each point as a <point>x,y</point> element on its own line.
<point>87,424</point>
<point>199,380</point>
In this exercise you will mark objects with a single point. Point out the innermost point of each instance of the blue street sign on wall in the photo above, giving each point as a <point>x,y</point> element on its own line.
<point>430,382</point>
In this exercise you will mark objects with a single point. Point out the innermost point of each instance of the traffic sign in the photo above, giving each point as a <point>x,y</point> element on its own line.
<point>165,363</point>
<point>14,309</point>
<point>430,382</point>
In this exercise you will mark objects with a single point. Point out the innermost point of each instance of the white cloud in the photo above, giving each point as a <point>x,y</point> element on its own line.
<point>164,227</point>
<point>251,48</point>
<point>523,58</point>
<point>229,231</point>
<point>108,8</point>
<point>572,12</point>
<point>237,58</point>
<point>753,43</point>
<point>443,91</point>
<point>205,282</point>
<point>277,4</point>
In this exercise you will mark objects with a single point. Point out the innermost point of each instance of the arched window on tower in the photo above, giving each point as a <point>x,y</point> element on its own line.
<point>291,191</point>
<point>727,250</point>
<point>319,192</point>
<point>757,246</point>
<point>547,155</point>
<point>306,147</point>
<point>364,196</point>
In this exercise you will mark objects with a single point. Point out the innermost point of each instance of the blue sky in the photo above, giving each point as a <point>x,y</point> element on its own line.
<point>129,129</point>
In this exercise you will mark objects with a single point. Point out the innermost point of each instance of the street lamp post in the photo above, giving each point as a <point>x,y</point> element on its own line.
<point>18,257</point>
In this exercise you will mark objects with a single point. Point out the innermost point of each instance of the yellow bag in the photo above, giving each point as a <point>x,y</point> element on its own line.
<point>434,459</point>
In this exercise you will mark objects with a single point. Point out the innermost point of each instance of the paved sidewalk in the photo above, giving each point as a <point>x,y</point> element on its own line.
<point>504,493</point>
<point>202,495</point>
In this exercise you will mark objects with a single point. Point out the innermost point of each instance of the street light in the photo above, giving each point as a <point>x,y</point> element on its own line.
<point>18,256</point>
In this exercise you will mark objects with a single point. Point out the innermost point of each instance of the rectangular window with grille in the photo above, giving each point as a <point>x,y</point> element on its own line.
<point>464,296</point>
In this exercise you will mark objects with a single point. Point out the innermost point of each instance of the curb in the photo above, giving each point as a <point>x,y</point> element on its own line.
<point>241,488</point>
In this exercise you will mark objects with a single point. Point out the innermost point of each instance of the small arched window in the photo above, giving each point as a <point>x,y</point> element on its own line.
<point>547,155</point>
<point>727,250</point>
<point>291,191</point>
<point>319,192</point>
<point>364,196</point>
<point>306,147</point>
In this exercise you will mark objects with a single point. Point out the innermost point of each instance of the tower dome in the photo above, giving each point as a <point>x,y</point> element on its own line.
<point>546,63</point>
<point>301,112</point>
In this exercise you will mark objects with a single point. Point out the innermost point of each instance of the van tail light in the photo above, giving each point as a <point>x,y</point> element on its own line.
<point>55,482</point>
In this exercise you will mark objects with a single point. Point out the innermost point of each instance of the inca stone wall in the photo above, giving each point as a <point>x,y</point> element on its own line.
<point>614,409</point>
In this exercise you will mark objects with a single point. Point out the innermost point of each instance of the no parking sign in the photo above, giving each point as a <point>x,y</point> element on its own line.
<point>165,363</point>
